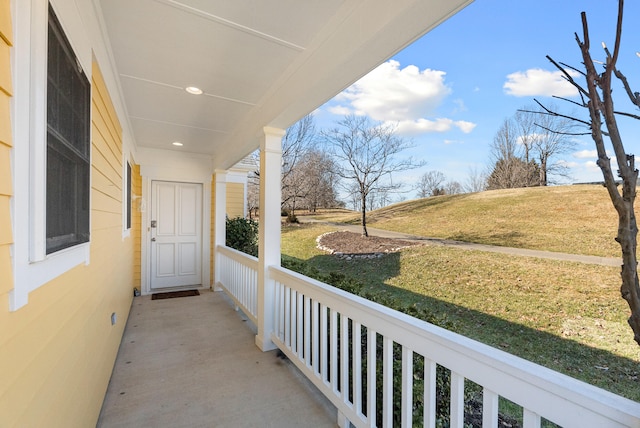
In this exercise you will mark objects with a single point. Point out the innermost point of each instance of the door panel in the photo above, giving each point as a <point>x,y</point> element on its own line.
<point>187,258</point>
<point>176,239</point>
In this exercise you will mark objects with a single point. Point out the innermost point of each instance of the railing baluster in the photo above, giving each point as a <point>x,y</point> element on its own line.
<point>277,313</point>
<point>457,400</point>
<point>300,327</point>
<point>429,416</point>
<point>490,402</point>
<point>293,321</point>
<point>307,331</point>
<point>287,316</point>
<point>356,337</point>
<point>282,313</point>
<point>530,419</point>
<point>407,387</point>
<point>372,363</point>
<point>316,337</point>
<point>334,351</point>
<point>344,357</point>
<point>324,351</point>
<point>387,383</point>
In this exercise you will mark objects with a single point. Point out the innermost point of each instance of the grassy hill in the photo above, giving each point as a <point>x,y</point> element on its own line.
<point>572,219</point>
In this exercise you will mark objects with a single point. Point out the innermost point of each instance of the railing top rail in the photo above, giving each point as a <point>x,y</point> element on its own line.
<point>238,256</point>
<point>514,378</point>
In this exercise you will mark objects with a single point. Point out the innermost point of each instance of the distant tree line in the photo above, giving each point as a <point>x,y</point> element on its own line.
<point>308,179</point>
<point>525,152</point>
<point>357,160</point>
<point>526,149</point>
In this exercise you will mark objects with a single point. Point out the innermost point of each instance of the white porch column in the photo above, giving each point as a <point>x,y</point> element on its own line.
<point>219,222</point>
<point>269,231</point>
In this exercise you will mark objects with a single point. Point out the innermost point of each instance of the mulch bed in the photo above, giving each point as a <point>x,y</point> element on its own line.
<point>350,243</point>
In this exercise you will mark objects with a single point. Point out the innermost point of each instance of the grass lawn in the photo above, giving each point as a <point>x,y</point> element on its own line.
<point>566,316</point>
<point>569,219</point>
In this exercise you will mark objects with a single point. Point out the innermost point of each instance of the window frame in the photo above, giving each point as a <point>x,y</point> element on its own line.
<point>71,146</point>
<point>32,267</point>
<point>127,197</point>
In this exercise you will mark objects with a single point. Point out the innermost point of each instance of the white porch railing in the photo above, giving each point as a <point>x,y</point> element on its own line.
<point>239,279</point>
<point>316,326</point>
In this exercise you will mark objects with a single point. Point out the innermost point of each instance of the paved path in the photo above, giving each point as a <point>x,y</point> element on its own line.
<point>594,260</point>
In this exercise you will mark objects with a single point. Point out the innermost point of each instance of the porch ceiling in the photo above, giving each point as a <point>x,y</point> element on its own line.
<point>259,63</point>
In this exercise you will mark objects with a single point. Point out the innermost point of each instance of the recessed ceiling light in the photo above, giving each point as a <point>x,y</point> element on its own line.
<point>193,90</point>
<point>177,143</point>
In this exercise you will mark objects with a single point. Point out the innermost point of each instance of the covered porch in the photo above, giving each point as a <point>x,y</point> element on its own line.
<point>376,366</point>
<point>192,362</point>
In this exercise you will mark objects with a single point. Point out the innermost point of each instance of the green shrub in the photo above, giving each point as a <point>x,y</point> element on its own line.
<point>242,235</point>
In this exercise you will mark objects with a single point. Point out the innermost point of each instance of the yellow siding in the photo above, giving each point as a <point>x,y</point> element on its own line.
<point>5,70</point>
<point>235,200</point>
<point>6,186</point>
<point>59,349</point>
<point>5,173</point>
<point>6,272</point>
<point>5,22</point>
<point>5,117</point>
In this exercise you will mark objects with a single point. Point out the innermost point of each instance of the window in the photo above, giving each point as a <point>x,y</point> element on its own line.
<point>68,144</point>
<point>51,165</point>
<point>128,184</point>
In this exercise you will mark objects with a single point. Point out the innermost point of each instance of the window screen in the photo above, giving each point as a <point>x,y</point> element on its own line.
<point>68,145</point>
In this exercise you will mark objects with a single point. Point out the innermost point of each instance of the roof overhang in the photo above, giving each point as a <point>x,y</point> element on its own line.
<point>259,63</point>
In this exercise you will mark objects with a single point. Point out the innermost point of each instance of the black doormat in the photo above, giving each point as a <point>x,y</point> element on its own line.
<point>172,294</point>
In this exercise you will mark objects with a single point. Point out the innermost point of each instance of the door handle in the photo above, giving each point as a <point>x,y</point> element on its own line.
<point>153,239</point>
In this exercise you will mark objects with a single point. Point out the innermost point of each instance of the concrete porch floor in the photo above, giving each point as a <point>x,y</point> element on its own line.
<point>193,362</point>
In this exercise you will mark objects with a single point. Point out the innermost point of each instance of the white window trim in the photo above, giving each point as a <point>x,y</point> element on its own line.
<point>126,232</point>
<point>32,267</point>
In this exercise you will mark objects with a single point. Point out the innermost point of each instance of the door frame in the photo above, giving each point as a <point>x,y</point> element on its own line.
<point>145,241</point>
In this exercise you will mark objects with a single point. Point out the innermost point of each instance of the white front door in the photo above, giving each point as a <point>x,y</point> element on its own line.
<point>176,234</point>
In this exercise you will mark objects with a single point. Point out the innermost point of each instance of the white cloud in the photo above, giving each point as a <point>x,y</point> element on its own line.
<point>591,166</point>
<point>585,154</point>
<point>536,81</point>
<point>413,127</point>
<point>465,126</point>
<point>340,110</point>
<point>404,96</point>
<point>460,106</point>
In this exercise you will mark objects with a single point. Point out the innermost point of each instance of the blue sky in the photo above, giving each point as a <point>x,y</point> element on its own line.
<point>452,89</point>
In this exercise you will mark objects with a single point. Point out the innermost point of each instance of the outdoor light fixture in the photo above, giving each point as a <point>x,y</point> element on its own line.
<point>177,143</point>
<point>193,90</point>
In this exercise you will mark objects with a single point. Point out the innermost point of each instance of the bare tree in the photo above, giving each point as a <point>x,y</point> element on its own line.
<point>510,169</point>
<point>430,183</point>
<point>476,181</point>
<point>544,138</point>
<point>295,144</point>
<point>366,157</point>
<point>453,188</point>
<point>597,99</point>
<point>318,170</point>
<point>253,193</point>
<point>525,129</point>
